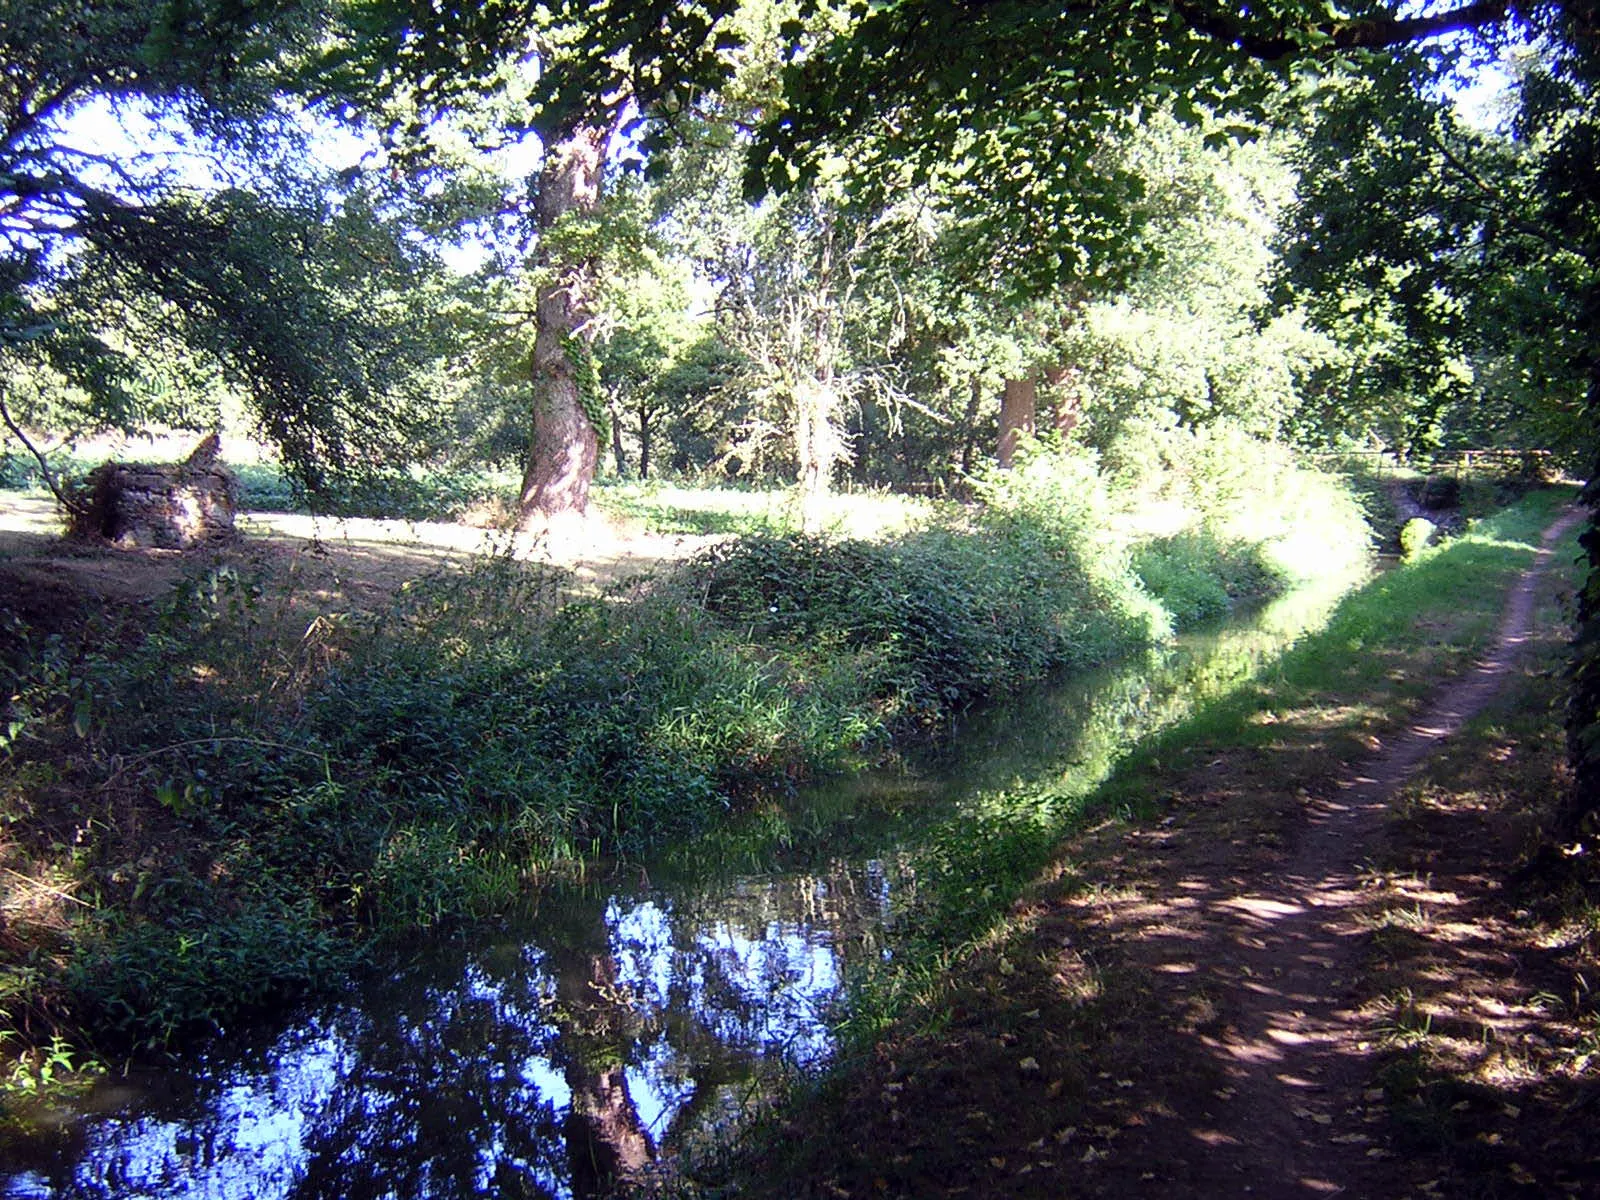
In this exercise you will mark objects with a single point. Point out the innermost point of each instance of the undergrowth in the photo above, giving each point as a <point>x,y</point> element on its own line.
<point>215,809</point>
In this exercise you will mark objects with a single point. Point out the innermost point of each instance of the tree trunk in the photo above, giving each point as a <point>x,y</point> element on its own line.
<point>1068,385</point>
<point>565,447</point>
<point>1581,813</point>
<point>644,442</point>
<point>969,436</point>
<point>606,1141</point>
<point>1017,410</point>
<point>817,446</point>
<point>618,455</point>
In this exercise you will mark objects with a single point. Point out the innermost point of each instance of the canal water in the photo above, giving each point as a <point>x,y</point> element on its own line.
<point>620,1020</point>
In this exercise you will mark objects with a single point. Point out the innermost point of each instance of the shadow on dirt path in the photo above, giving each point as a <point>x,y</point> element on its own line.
<point>1177,1011</point>
<point>1281,955</point>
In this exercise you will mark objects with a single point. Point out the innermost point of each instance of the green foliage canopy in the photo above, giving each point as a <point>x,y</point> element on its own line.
<point>299,287</point>
<point>1420,244</point>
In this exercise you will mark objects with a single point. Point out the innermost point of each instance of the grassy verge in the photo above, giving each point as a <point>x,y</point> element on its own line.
<point>1010,961</point>
<point>666,506</point>
<point>1381,655</point>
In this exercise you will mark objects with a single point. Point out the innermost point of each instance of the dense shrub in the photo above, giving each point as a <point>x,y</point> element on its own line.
<point>933,620</point>
<point>937,618</point>
<point>1193,577</point>
<point>577,726</point>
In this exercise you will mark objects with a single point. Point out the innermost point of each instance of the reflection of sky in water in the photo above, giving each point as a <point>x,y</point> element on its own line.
<point>659,1092</point>
<point>766,991</point>
<point>775,988</point>
<point>455,1080</point>
<point>252,1142</point>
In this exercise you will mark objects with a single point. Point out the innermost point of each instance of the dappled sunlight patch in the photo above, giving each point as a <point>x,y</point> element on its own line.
<point>1579,932</point>
<point>1076,981</point>
<point>1323,718</point>
<point>1479,1002</point>
<point>28,520</point>
<point>673,508</point>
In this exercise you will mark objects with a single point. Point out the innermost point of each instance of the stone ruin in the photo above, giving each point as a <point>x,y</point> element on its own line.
<point>165,506</point>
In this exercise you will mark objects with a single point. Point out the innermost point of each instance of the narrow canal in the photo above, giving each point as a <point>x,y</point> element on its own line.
<point>618,1021</point>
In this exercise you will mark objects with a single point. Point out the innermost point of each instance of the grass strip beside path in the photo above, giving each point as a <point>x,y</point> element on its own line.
<point>1054,1042</point>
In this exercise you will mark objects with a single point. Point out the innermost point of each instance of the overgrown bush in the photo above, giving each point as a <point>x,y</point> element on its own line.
<point>1194,578</point>
<point>1239,492</point>
<point>575,727</point>
<point>938,618</point>
<point>1057,506</point>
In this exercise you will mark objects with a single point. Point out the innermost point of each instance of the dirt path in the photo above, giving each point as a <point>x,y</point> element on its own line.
<point>1283,952</point>
<point>1296,1050</point>
<point>1183,1015</point>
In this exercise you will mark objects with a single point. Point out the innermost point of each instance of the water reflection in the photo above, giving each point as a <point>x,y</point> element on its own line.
<point>546,1062</point>
<point>556,1056</point>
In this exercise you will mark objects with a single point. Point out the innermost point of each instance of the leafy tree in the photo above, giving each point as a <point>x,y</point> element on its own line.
<point>1420,246</point>
<point>297,290</point>
<point>705,398</point>
<point>647,329</point>
<point>1186,338</point>
<point>808,286</point>
<point>578,77</point>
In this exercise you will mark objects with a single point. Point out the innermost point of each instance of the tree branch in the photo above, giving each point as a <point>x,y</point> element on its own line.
<point>66,502</point>
<point>1493,201</point>
<point>30,118</point>
<point>1367,34</point>
<point>1375,35</point>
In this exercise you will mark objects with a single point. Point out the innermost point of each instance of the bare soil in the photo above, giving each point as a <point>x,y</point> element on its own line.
<point>52,582</point>
<point>1214,1005</point>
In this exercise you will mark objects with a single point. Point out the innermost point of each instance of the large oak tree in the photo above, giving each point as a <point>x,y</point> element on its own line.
<point>578,77</point>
